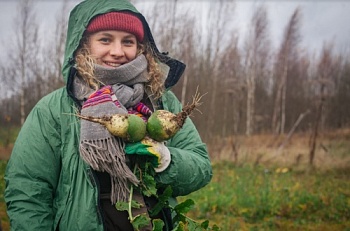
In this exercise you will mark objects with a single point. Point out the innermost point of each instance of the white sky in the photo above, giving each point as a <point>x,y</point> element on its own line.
<point>321,21</point>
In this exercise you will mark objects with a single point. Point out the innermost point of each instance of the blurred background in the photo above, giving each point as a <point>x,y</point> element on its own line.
<point>267,68</point>
<point>263,64</point>
<point>276,79</point>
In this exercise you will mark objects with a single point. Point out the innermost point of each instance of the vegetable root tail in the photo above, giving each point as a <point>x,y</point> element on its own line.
<point>188,109</point>
<point>100,120</point>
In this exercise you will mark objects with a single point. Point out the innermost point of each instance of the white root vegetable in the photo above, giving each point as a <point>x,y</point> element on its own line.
<point>129,127</point>
<point>162,124</point>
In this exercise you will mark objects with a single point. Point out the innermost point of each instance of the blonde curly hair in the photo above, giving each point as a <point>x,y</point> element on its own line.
<point>85,67</point>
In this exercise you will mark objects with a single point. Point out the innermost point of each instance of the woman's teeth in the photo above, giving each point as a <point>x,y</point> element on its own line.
<point>112,64</point>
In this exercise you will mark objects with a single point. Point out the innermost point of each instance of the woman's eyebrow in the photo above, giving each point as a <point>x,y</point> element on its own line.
<point>129,36</point>
<point>106,34</point>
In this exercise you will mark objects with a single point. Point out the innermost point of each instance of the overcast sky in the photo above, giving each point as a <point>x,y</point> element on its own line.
<point>321,21</point>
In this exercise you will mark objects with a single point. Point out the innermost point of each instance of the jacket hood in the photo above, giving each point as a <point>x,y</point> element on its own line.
<point>81,15</point>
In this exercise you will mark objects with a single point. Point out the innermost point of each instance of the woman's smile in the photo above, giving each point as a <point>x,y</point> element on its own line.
<point>113,48</point>
<point>111,64</point>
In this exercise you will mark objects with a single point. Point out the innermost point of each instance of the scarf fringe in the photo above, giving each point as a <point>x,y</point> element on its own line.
<point>108,155</point>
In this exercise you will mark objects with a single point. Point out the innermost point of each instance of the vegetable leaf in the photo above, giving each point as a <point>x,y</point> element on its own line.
<point>149,188</point>
<point>149,185</point>
<point>185,206</point>
<point>140,221</point>
<point>158,225</point>
<point>205,224</point>
<point>162,201</point>
<point>121,205</point>
<point>180,227</point>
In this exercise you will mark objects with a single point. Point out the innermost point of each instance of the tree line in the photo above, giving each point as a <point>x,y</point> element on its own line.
<point>249,88</point>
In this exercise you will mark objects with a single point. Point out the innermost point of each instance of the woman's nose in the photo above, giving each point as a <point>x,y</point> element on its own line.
<point>116,49</point>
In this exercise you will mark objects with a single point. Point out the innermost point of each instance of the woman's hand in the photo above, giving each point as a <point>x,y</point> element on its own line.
<point>159,153</point>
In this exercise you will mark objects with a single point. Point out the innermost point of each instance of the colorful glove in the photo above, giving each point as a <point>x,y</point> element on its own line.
<point>159,153</point>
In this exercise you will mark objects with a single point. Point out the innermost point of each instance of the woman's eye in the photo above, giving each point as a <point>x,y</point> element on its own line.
<point>104,40</point>
<point>129,42</point>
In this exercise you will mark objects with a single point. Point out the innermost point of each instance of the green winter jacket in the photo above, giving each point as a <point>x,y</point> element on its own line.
<point>48,185</point>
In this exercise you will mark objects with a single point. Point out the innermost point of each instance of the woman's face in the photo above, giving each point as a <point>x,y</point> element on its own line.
<point>112,48</point>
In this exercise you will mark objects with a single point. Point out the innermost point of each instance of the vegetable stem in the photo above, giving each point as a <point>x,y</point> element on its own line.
<point>131,218</point>
<point>130,201</point>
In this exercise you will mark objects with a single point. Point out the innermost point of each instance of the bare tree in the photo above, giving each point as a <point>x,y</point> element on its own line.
<point>31,65</point>
<point>285,54</point>
<point>26,49</point>
<point>337,114</point>
<point>233,87</point>
<point>327,68</point>
<point>219,28</point>
<point>55,50</point>
<point>162,19</point>
<point>256,52</point>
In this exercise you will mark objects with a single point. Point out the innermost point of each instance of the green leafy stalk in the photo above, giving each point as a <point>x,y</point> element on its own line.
<point>130,200</point>
<point>140,220</point>
<point>148,188</point>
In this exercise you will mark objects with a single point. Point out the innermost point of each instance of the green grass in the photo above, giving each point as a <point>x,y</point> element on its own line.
<point>257,198</point>
<point>262,198</point>
<point>8,135</point>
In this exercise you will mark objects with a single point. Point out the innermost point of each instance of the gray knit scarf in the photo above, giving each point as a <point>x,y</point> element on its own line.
<point>101,150</point>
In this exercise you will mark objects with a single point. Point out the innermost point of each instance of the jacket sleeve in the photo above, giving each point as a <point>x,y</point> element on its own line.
<point>32,173</point>
<point>190,167</point>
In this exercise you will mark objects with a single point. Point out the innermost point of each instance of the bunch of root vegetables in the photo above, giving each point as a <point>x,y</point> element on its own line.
<point>161,125</point>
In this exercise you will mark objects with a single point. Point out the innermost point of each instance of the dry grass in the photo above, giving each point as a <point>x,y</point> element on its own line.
<point>332,150</point>
<point>268,189</point>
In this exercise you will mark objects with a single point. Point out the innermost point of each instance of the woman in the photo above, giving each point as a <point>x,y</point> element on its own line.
<point>57,177</point>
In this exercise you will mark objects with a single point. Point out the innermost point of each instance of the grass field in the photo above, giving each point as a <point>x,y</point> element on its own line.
<point>252,192</point>
<point>259,198</point>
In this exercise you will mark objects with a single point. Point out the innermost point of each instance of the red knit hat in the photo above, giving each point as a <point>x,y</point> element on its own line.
<point>117,21</point>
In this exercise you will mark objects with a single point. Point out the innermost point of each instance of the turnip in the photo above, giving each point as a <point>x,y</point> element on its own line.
<point>129,127</point>
<point>162,124</point>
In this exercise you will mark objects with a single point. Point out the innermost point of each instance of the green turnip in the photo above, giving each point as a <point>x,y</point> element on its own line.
<point>162,124</point>
<point>129,127</point>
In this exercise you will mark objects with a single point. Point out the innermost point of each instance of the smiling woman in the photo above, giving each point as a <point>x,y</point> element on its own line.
<point>113,48</point>
<point>107,44</point>
<point>111,67</point>
<point>114,44</point>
